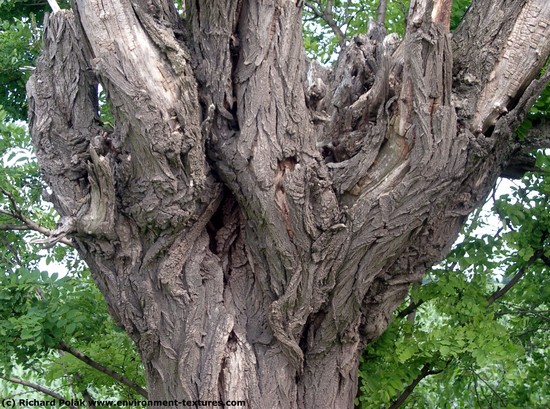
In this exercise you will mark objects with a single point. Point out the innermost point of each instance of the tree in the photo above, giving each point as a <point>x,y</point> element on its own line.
<point>252,219</point>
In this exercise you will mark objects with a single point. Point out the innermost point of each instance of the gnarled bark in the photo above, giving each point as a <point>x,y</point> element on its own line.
<point>253,220</point>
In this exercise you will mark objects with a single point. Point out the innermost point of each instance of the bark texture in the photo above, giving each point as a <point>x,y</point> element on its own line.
<point>253,219</point>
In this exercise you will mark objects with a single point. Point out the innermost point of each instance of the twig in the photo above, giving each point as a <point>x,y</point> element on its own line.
<point>478,400</point>
<point>535,313</point>
<point>10,227</point>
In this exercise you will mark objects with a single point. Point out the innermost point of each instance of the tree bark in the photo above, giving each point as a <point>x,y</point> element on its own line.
<point>253,219</point>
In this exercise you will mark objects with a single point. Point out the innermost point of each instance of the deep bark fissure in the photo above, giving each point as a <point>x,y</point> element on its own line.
<point>254,219</point>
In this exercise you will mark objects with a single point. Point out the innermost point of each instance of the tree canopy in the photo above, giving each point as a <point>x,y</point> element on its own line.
<point>474,333</point>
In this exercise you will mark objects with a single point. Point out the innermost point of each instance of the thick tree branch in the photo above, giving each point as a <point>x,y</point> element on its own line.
<point>518,165</point>
<point>528,98</point>
<point>38,388</point>
<point>441,13</point>
<point>173,171</point>
<point>107,371</point>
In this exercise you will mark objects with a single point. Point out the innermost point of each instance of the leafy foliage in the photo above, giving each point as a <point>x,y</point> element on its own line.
<point>40,311</point>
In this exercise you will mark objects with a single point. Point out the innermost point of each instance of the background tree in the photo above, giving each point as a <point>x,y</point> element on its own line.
<point>322,223</point>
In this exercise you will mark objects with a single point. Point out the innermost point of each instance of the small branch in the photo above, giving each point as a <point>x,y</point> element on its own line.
<point>347,17</point>
<point>382,7</point>
<point>500,293</point>
<point>12,251</point>
<point>94,364</point>
<point>10,227</point>
<point>77,378</point>
<point>327,15</point>
<point>412,307</point>
<point>424,372</point>
<point>38,388</point>
<point>535,313</point>
<point>313,7</point>
<point>478,400</point>
<point>28,224</point>
<point>495,393</point>
<point>88,398</point>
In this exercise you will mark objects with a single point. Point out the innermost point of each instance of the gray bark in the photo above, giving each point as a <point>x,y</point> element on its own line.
<point>253,220</point>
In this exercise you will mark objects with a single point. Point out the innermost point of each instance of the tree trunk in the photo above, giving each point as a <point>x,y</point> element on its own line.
<point>253,219</point>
